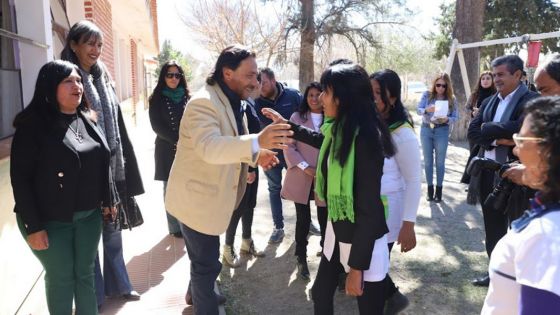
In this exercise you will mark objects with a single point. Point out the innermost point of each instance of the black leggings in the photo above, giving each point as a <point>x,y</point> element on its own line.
<point>371,302</point>
<point>303,219</point>
<point>390,287</point>
<point>246,214</point>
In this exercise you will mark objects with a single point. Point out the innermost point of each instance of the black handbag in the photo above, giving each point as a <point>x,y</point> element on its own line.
<point>128,215</point>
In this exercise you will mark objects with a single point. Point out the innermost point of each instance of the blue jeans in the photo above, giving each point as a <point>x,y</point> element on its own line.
<point>274,177</point>
<point>434,139</point>
<point>173,225</point>
<point>114,280</point>
<point>204,253</point>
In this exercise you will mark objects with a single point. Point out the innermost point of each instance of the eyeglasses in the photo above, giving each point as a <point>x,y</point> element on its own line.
<point>170,75</point>
<point>441,85</point>
<point>519,140</point>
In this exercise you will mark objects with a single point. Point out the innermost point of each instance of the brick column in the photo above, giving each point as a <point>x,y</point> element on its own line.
<point>100,13</point>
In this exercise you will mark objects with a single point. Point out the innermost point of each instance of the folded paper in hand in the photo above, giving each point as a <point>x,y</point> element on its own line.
<point>441,109</point>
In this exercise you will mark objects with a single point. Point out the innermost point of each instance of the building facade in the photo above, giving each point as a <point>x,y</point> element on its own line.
<point>33,32</point>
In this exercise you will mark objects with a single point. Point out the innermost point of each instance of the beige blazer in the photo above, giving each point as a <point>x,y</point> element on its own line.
<point>297,184</point>
<point>208,176</point>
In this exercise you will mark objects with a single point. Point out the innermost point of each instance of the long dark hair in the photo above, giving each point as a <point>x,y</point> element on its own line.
<point>479,89</point>
<point>304,106</point>
<point>161,80</point>
<point>44,104</point>
<point>350,85</point>
<point>545,114</point>
<point>80,33</point>
<point>389,81</point>
<point>231,57</point>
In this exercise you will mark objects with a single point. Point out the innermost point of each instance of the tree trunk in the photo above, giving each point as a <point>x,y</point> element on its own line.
<point>307,43</point>
<point>468,28</point>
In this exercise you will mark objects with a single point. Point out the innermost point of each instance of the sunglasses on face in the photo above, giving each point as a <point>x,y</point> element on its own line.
<point>520,140</point>
<point>441,85</point>
<point>170,75</point>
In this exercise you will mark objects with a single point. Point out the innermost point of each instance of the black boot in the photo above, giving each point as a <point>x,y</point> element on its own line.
<point>430,196</point>
<point>438,193</point>
<point>303,269</point>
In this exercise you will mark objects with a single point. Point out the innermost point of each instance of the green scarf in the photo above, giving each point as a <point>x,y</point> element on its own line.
<point>398,125</point>
<point>175,95</point>
<point>340,179</point>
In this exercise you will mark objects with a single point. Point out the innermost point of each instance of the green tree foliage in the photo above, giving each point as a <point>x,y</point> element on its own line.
<point>504,18</point>
<point>169,53</point>
<point>446,22</point>
<point>508,18</point>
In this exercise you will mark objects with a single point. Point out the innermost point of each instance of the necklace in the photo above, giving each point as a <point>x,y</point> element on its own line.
<point>77,134</point>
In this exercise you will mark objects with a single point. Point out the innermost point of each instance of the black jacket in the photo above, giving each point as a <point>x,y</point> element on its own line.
<point>483,131</point>
<point>44,173</point>
<point>165,117</point>
<point>369,214</point>
<point>133,180</point>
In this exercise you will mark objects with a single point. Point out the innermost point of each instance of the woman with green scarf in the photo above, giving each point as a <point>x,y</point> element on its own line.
<point>167,104</point>
<point>353,147</point>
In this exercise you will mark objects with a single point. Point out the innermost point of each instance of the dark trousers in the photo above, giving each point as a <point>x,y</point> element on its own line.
<point>390,287</point>
<point>303,219</point>
<point>274,178</point>
<point>371,302</point>
<point>204,252</point>
<point>68,262</point>
<point>246,216</point>
<point>495,222</point>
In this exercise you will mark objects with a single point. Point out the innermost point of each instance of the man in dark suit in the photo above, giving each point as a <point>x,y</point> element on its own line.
<point>500,116</point>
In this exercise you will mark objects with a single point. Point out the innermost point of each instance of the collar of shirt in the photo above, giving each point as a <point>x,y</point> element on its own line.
<point>509,96</point>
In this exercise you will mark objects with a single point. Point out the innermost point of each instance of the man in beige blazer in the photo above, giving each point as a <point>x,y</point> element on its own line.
<point>209,174</point>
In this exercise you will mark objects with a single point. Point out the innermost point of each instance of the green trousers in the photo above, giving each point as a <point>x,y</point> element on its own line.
<point>69,262</point>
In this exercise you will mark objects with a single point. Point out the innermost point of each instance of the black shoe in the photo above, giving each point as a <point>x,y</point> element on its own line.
<point>131,296</point>
<point>482,281</point>
<point>437,198</point>
<point>221,299</point>
<point>303,269</point>
<point>430,196</point>
<point>396,303</point>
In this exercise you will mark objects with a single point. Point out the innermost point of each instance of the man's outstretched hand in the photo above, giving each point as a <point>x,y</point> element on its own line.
<point>267,159</point>
<point>275,136</point>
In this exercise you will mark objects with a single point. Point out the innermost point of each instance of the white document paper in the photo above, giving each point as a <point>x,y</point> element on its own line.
<point>442,108</point>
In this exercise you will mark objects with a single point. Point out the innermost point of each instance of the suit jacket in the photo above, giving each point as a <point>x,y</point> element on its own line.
<point>369,214</point>
<point>165,117</point>
<point>44,170</point>
<point>208,177</point>
<point>297,184</point>
<point>483,131</point>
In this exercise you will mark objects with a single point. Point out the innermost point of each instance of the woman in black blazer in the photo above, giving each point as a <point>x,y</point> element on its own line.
<point>84,46</point>
<point>60,175</point>
<point>167,104</point>
<point>353,146</point>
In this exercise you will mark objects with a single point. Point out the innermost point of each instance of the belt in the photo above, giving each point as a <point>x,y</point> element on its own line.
<point>433,126</point>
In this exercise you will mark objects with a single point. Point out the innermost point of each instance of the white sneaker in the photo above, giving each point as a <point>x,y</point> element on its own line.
<point>230,257</point>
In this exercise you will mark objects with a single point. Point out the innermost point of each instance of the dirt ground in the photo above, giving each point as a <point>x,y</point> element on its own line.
<point>435,276</point>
